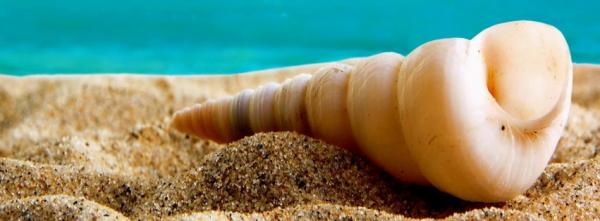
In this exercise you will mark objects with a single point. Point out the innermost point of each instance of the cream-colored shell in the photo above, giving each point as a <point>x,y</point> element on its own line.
<point>477,118</point>
<point>491,123</point>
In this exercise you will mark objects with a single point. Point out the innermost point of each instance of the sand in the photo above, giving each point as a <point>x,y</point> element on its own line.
<point>99,147</point>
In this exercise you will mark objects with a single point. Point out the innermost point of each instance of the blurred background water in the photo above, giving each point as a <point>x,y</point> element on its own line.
<point>220,36</point>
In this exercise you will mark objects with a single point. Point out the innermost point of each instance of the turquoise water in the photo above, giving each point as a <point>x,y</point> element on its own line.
<point>187,37</point>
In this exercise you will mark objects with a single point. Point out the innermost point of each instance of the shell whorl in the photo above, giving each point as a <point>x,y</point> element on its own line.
<point>276,107</point>
<point>334,104</point>
<point>449,114</point>
<point>271,107</point>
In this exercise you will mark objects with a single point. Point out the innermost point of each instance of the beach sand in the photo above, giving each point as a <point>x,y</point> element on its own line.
<point>99,147</point>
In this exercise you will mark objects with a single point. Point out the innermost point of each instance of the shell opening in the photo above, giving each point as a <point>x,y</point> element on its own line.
<point>527,67</point>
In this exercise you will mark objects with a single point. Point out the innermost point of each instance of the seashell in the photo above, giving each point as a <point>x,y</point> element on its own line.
<point>478,119</point>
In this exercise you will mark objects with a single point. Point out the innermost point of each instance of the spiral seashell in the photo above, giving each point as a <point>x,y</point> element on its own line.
<point>478,119</point>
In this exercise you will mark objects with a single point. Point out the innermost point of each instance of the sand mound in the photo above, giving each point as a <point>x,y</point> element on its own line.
<point>57,206</point>
<point>98,147</point>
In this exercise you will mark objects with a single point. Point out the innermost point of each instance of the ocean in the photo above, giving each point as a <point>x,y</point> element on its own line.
<point>182,37</point>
